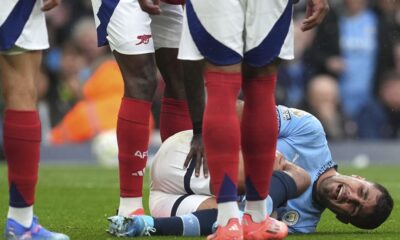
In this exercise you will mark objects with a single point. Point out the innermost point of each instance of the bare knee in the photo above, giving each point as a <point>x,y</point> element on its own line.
<point>139,74</point>
<point>267,70</point>
<point>20,98</point>
<point>172,72</point>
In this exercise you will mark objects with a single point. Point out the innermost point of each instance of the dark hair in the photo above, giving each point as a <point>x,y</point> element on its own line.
<point>381,211</point>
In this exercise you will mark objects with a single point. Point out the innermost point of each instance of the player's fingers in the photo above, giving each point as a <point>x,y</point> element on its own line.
<point>152,10</point>
<point>315,15</point>
<point>308,26</point>
<point>151,7</point>
<point>205,167</point>
<point>50,4</point>
<point>188,159</point>
<point>198,165</point>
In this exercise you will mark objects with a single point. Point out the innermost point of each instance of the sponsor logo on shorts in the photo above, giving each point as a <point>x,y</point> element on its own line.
<point>291,217</point>
<point>143,39</point>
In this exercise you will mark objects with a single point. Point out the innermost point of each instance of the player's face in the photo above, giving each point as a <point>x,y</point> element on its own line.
<point>349,196</point>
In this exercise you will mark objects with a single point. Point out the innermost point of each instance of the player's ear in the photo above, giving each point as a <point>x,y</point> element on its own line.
<point>343,219</point>
<point>358,177</point>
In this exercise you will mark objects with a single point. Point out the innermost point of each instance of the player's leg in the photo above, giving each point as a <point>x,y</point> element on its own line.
<point>172,214</point>
<point>138,72</point>
<point>216,30</point>
<point>127,29</point>
<point>167,28</point>
<point>22,130</point>
<point>195,215</point>
<point>259,135</point>
<point>267,26</point>
<point>174,113</point>
<point>22,27</point>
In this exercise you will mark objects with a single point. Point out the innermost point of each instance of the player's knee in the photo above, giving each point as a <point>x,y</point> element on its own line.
<point>20,97</point>
<point>172,72</point>
<point>140,87</point>
<point>267,70</point>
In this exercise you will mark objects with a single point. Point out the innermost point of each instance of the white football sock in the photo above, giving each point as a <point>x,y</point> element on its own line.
<point>227,211</point>
<point>257,210</point>
<point>128,205</point>
<point>23,216</point>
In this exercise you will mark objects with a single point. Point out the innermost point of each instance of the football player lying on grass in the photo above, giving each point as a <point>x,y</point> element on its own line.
<point>182,204</point>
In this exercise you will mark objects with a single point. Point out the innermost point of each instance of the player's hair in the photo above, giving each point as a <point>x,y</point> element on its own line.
<point>381,211</point>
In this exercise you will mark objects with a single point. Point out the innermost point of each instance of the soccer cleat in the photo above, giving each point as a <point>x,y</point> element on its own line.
<point>232,231</point>
<point>269,229</point>
<point>117,223</point>
<point>15,231</point>
<point>133,226</point>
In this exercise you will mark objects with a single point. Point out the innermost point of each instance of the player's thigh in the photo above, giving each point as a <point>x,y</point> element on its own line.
<point>216,28</point>
<point>124,26</point>
<point>166,205</point>
<point>269,31</point>
<point>167,27</point>
<point>19,74</point>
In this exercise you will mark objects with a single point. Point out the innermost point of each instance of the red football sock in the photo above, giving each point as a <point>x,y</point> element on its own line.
<point>259,135</point>
<point>22,136</point>
<point>174,117</point>
<point>133,140</point>
<point>221,133</point>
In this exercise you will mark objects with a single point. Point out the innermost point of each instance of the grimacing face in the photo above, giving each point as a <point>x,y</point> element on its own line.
<point>348,196</point>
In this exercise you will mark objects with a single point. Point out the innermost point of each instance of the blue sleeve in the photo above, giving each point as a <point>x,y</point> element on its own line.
<point>303,230</point>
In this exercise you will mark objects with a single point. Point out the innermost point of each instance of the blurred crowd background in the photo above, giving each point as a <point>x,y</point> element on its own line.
<point>346,72</point>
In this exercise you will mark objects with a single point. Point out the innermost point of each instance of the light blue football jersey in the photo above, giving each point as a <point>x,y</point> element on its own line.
<point>302,141</point>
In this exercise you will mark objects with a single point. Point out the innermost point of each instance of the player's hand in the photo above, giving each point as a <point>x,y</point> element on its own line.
<point>50,4</point>
<point>150,6</point>
<point>316,12</point>
<point>197,154</point>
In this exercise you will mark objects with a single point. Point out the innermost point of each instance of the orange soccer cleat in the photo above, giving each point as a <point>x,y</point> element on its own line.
<point>269,229</point>
<point>232,231</point>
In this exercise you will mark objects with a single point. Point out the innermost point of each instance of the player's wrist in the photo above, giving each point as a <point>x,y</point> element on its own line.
<point>197,128</point>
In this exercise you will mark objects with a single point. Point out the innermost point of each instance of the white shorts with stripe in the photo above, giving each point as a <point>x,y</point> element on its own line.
<point>22,26</point>
<point>127,29</point>
<point>227,32</point>
<point>175,190</point>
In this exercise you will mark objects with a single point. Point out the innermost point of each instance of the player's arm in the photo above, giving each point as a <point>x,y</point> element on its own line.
<point>194,88</point>
<point>299,175</point>
<point>315,13</point>
<point>50,4</point>
<point>298,179</point>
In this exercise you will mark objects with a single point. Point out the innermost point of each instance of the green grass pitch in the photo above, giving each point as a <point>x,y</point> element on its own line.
<point>76,199</point>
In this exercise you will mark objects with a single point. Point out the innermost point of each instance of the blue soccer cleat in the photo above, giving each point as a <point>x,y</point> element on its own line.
<point>133,226</point>
<point>15,231</point>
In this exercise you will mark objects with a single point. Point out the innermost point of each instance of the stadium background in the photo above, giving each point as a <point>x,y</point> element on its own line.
<point>349,81</point>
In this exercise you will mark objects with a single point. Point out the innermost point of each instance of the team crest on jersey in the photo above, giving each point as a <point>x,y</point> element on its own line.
<point>291,217</point>
<point>143,39</point>
<point>286,115</point>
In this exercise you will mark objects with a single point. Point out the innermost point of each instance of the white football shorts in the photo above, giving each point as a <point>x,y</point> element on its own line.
<point>22,26</point>
<point>128,30</point>
<point>227,32</point>
<point>175,190</point>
